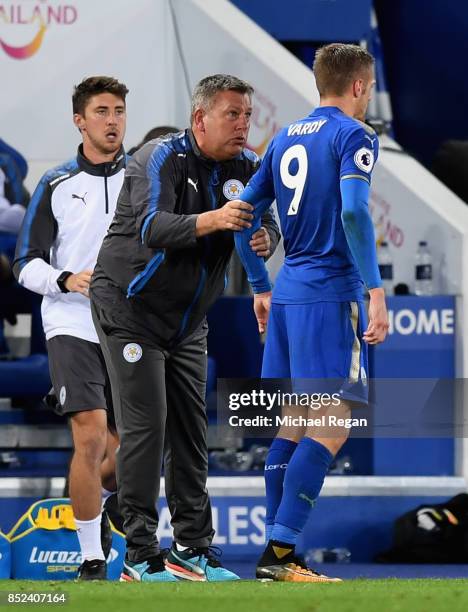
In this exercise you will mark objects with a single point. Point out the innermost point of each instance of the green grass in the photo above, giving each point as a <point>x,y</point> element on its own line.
<point>248,596</point>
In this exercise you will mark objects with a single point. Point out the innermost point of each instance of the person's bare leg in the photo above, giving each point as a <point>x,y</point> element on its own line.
<point>292,432</point>
<point>331,436</point>
<point>89,430</point>
<point>108,477</point>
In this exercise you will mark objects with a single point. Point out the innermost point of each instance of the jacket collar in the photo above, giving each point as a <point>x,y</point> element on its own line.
<point>196,148</point>
<point>209,161</point>
<point>104,169</point>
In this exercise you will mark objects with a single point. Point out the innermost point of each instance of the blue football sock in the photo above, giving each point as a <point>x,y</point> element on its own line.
<point>268,530</point>
<point>302,485</point>
<point>275,468</point>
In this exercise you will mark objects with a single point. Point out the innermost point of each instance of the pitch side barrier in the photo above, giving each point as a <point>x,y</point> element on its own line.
<point>363,510</point>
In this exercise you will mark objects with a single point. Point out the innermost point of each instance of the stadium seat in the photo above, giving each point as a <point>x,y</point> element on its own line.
<point>8,244</point>
<point>25,377</point>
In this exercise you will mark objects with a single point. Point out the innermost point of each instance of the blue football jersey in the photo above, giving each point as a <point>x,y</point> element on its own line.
<point>302,169</point>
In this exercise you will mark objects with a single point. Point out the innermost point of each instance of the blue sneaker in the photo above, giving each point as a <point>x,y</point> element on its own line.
<point>152,570</point>
<point>198,564</point>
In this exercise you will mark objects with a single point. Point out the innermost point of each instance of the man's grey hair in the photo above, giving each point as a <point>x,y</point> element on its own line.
<point>207,88</point>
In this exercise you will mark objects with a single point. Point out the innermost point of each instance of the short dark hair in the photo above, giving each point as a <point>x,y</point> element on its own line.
<point>337,65</point>
<point>207,88</point>
<point>92,86</point>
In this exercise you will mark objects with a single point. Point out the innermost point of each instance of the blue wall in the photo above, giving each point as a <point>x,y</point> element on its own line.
<point>310,20</point>
<point>425,43</point>
<point>415,356</point>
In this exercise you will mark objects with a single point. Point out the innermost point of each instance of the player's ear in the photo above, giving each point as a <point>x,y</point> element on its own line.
<point>358,87</point>
<point>198,119</point>
<point>79,121</point>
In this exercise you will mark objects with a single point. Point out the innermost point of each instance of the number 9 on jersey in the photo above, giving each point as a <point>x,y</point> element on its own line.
<point>294,181</point>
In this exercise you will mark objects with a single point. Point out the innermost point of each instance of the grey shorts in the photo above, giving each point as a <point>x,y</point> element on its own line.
<point>79,377</point>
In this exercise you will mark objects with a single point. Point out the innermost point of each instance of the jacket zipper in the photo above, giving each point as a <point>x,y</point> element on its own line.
<point>105,189</point>
<point>212,187</point>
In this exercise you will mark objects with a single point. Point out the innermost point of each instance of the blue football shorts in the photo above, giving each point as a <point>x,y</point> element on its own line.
<point>319,346</point>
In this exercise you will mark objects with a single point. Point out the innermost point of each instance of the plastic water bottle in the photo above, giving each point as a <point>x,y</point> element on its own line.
<point>423,270</point>
<point>385,261</point>
<point>326,555</point>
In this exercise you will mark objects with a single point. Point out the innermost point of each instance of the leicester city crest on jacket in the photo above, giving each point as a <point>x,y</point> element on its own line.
<point>233,189</point>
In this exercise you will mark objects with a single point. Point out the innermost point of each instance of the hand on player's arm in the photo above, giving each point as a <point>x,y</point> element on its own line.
<point>378,317</point>
<point>262,303</point>
<point>234,215</point>
<point>79,283</point>
<point>260,242</point>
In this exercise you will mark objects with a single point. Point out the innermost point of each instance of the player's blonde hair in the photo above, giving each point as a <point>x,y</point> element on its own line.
<point>337,65</point>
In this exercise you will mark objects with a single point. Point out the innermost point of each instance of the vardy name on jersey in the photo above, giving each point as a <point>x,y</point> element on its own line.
<point>308,127</point>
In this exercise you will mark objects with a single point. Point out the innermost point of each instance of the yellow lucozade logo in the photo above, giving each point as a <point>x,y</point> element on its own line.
<point>14,15</point>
